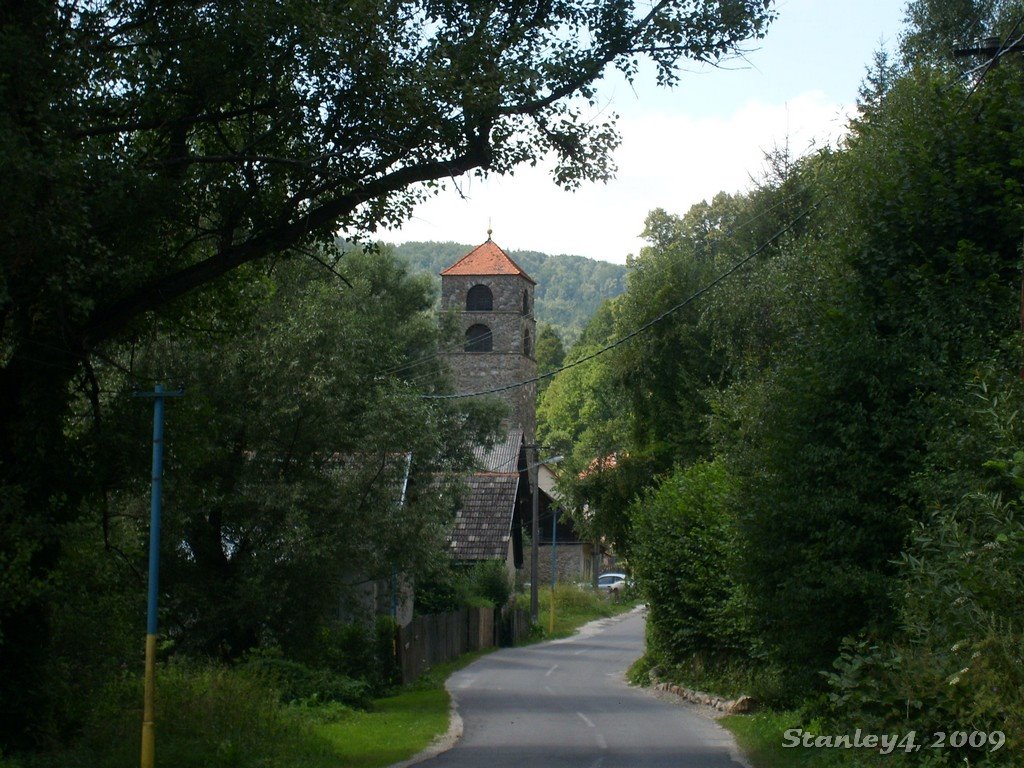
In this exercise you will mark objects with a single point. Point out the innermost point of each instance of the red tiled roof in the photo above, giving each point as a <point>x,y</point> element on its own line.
<point>487,259</point>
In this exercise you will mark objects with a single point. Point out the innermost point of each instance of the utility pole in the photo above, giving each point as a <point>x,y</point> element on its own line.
<point>535,534</point>
<point>994,48</point>
<point>148,726</point>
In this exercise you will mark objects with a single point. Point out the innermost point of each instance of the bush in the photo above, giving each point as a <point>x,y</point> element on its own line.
<point>958,659</point>
<point>683,550</point>
<point>206,717</point>
<point>489,580</point>
<point>483,585</point>
<point>295,682</point>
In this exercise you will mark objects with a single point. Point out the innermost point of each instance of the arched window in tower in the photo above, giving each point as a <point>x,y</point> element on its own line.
<point>479,299</point>
<point>526,302</point>
<point>526,342</point>
<point>479,338</point>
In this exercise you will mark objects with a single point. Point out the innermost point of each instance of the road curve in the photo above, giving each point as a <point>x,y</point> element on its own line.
<point>566,703</point>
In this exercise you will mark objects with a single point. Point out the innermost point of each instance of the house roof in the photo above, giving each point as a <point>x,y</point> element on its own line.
<point>487,259</point>
<point>503,456</point>
<point>484,523</point>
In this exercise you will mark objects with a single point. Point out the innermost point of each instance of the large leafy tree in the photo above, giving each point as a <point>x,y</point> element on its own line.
<point>295,468</point>
<point>151,149</point>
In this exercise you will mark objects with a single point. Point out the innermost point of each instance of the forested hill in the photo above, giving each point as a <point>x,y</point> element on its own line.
<point>569,288</point>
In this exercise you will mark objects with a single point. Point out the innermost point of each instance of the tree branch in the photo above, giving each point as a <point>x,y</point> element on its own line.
<point>108,320</point>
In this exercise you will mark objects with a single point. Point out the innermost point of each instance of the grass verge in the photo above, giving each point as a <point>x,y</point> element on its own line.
<point>761,737</point>
<point>573,607</point>
<point>218,717</point>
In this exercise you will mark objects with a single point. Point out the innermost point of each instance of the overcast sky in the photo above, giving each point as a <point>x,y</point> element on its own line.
<point>683,145</point>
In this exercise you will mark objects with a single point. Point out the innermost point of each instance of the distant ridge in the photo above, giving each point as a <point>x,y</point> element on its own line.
<point>569,288</point>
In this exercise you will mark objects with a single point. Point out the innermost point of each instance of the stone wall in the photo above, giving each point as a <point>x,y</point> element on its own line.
<point>508,362</point>
<point>570,564</point>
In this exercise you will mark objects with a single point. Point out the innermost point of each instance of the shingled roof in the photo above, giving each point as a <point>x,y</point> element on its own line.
<point>503,456</point>
<point>483,524</point>
<point>487,259</point>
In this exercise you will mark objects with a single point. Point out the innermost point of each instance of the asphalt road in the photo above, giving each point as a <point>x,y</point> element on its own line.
<point>566,703</point>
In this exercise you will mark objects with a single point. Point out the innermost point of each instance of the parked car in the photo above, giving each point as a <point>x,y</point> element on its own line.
<point>612,582</point>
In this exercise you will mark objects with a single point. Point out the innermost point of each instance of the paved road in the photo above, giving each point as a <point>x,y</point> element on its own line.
<point>566,703</point>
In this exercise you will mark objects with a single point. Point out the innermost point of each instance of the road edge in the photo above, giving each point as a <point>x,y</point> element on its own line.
<point>441,743</point>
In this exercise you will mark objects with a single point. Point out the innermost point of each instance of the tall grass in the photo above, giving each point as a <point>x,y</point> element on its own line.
<point>206,717</point>
<point>573,607</point>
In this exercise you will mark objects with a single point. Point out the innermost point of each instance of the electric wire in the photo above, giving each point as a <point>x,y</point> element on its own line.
<point>661,269</point>
<point>646,326</point>
<point>1004,47</point>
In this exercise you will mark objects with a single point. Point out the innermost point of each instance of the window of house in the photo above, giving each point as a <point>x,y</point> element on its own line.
<point>479,299</point>
<point>526,342</point>
<point>479,338</point>
<point>526,302</point>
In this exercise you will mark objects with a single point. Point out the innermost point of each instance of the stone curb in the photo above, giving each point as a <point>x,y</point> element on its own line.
<point>741,706</point>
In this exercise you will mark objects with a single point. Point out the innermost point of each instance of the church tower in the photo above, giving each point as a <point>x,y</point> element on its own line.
<point>493,296</point>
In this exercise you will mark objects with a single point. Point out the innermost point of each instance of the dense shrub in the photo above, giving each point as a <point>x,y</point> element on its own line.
<point>484,584</point>
<point>489,580</point>
<point>957,662</point>
<point>296,682</point>
<point>207,717</point>
<point>683,559</point>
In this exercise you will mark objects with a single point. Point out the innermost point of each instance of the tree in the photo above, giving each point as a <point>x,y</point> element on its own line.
<point>550,353</point>
<point>151,150</point>
<point>289,456</point>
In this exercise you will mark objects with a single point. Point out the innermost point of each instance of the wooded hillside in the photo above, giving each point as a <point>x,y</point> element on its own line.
<point>569,288</point>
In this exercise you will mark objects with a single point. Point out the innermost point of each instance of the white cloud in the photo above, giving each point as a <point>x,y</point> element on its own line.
<point>665,161</point>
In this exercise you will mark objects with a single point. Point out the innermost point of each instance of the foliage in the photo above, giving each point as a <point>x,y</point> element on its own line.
<point>957,657</point>
<point>222,717</point>
<point>455,586</point>
<point>490,581</point>
<point>207,716</point>
<point>287,458</point>
<point>935,28</point>
<point>683,558</point>
<point>550,354</point>
<point>569,288</point>
<point>158,159</point>
<point>296,682</point>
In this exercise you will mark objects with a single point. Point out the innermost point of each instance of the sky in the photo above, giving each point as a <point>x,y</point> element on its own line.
<point>681,146</point>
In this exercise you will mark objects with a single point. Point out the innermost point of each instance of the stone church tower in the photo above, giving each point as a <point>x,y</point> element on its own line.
<point>494,299</point>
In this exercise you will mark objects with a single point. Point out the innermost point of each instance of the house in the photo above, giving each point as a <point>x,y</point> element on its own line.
<point>573,557</point>
<point>490,519</point>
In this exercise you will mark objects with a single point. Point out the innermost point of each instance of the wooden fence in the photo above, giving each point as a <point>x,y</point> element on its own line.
<point>441,637</point>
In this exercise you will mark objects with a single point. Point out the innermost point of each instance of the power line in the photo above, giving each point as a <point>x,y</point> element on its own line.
<point>650,324</point>
<point>663,268</point>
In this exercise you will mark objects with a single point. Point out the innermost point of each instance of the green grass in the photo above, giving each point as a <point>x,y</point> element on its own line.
<point>574,607</point>
<point>397,728</point>
<point>761,737</point>
<point>210,716</point>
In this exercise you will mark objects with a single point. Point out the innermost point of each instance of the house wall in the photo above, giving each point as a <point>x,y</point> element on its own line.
<point>570,566</point>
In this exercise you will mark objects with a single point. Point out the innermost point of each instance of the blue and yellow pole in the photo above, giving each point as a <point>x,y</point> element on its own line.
<point>554,566</point>
<point>148,715</point>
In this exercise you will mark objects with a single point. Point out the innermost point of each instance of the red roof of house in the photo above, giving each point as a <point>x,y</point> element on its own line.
<point>487,259</point>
